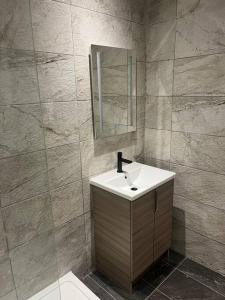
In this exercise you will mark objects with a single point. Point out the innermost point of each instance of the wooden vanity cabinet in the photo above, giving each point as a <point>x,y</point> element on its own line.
<point>130,235</point>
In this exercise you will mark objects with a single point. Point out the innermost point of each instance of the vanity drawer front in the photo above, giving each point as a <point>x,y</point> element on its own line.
<point>142,220</point>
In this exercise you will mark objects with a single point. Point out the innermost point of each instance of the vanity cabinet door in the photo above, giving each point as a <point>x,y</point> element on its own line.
<point>163,218</point>
<point>142,224</point>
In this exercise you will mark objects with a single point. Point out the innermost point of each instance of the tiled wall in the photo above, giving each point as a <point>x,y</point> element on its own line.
<point>47,151</point>
<point>185,119</point>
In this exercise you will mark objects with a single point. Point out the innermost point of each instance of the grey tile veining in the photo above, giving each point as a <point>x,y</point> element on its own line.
<point>25,220</point>
<point>204,275</point>
<point>115,8</point>
<point>61,123</point>
<point>6,278</point>
<point>20,129</point>
<point>86,194</point>
<point>158,112</point>
<point>3,245</point>
<point>67,203</point>
<point>33,258</point>
<point>158,11</point>
<point>201,186</point>
<point>56,77</point>
<point>82,78</point>
<point>204,219</point>
<point>51,23</point>
<point>157,144</point>
<point>141,76</point>
<point>162,164</point>
<point>159,76</point>
<point>204,74</point>
<point>138,36</point>
<point>140,112</point>
<point>38,283</point>
<point>160,41</point>
<point>94,28</point>
<point>179,286</point>
<point>138,11</point>
<point>15,25</point>
<point>10,296</point>
<point>70,244</point>
<point>18,78</point>
<point>85,119</point>
<point>198,151</point>
<point>63,165</point>
<point>199,115</point>
<point>200,28</point>
<point>194,246</point>
<point>22,177</point>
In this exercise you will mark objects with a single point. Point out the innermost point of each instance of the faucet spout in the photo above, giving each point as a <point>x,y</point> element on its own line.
<point>120,161</point>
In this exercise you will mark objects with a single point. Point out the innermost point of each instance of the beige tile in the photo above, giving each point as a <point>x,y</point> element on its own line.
<point>63,165</point>
<point>15,27</point>
<point>27,219</point>
<point>22,177</point>
<point>56,77</point>
<point>158,112</point>
<point>6,278</point>
<point>67,203</point>
<point>157,144</point>
<point>51,22</point>
<point>198,151</point>
<point>61,123</point>
<point>204,74</point>
<point>86,194</point>
<point>20,129</point>
<point>82,78</point>
<point>10,296</point>
<point>3,245</point>
<point>159,78</point>
<point>205,187</point>
<point>85,120</point>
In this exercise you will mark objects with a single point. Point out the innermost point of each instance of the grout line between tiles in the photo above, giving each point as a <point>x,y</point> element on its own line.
<point>189,276</point>
<point>101,287</point>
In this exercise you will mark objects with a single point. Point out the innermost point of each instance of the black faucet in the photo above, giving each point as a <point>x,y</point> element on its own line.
<point>120,161</point>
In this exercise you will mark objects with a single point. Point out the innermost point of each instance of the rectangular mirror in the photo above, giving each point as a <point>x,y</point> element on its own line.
<point>113,81</point>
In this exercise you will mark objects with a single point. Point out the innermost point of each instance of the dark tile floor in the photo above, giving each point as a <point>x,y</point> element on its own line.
<point>173,277</point>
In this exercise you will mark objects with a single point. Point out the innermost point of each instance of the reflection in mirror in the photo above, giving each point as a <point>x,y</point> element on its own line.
<point>113,80</point>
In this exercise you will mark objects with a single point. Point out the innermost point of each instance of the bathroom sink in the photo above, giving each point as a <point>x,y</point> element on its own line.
<point>137,180</point>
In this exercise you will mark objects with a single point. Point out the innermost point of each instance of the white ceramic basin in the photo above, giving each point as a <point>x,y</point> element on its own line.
<point>142,177</point>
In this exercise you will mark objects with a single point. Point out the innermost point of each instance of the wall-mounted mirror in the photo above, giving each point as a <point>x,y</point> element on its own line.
<point>113,80</point>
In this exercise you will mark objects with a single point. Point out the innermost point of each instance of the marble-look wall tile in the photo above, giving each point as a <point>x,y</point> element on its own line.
<point>20,129</point>
<point>158,112</point>
<point>198,151</point>
<point>22,177</point>
<point>199,115</point>
<point>162,164</point>
<point>3,246</point>
<point>86,194</point>
<point>140,112</point>
<point>160,41</point>
<point>204,251</point>
<point>85,120</point>
<point>201,186</point>
<point>38,283</point>
<point>18,78</point>
<point>138,36</point>
<point>157,144</point>
<point>70,243</point>
<point>93,164</point>
<point>117,8</point>
<point>15,26</point>
<point>158,11</point>
<point>205,75</point>
<point>25,220</point>
<point>51,23</point>
<point>138,11</point>
<point>67,203</point>
<point>82,74</point>
<point>200,28</point>
<point>63,165</point>
<point>56,77</point>
<point>159,78</point>
<point>204,219</point>
<point>33,258</point>
<point>94,28</point>
<point>141,82</point>
<point>139,144</point>
<point>6,278</point>
<point>10,296</point>
<point>61,123</point>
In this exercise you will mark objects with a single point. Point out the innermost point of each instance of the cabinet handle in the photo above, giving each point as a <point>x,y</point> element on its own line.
<point>156,201</point>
